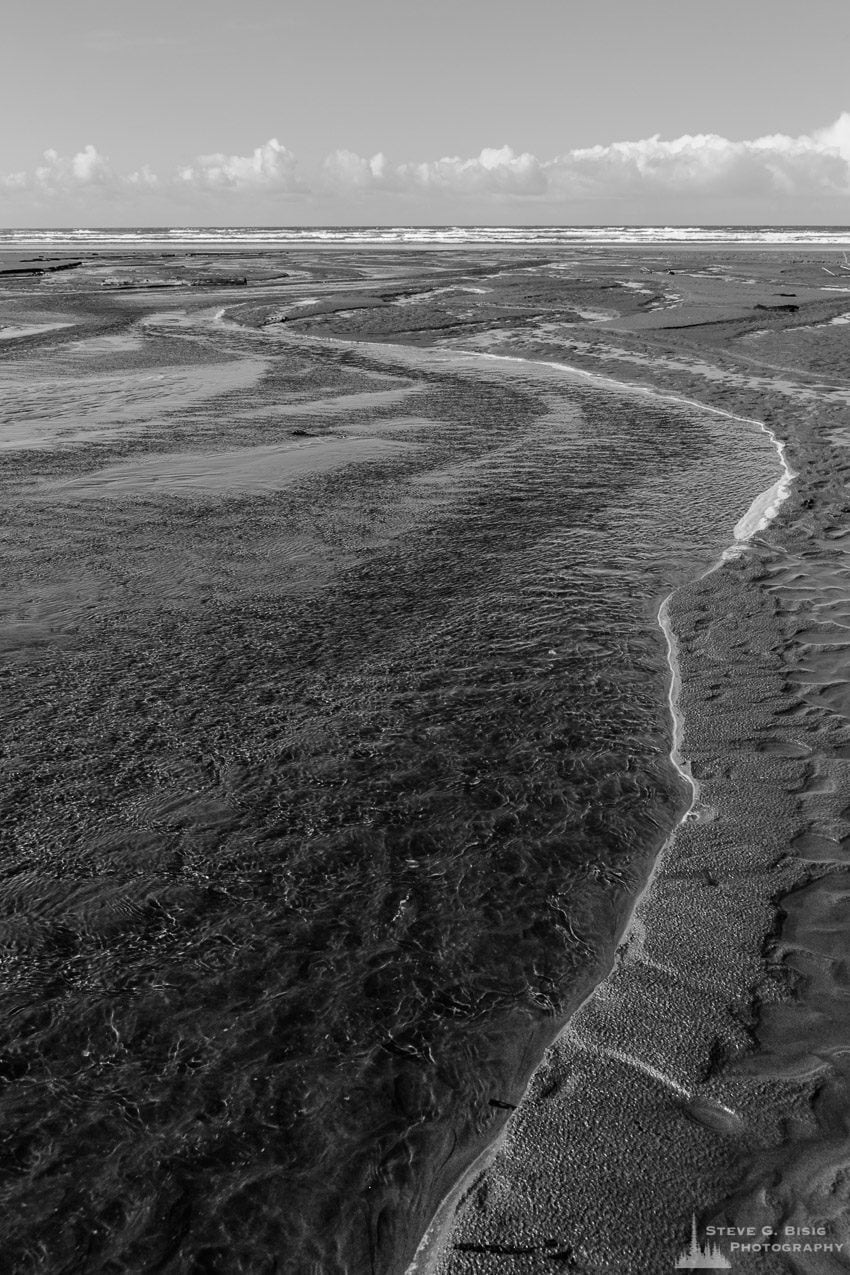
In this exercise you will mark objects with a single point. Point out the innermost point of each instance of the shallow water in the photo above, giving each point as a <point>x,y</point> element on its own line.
<point>335,793</point>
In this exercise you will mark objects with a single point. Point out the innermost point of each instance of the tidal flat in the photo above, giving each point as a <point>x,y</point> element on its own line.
<point>337,753</point>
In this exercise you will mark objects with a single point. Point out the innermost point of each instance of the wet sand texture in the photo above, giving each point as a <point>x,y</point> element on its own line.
<point>339,753</point>
<point>706,1073</point>
<point>248,469</point>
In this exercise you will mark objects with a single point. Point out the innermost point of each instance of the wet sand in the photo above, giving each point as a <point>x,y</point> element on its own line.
<point>705,1075</point>
<point>698,1068</point>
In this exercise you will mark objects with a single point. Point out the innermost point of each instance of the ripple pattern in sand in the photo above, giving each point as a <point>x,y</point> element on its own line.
<point>303,876</point>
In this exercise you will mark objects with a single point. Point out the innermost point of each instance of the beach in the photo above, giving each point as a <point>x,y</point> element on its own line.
<point>427,755</point>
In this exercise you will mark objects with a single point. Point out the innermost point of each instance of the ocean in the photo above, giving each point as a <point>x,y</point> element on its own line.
<point>327,236</point>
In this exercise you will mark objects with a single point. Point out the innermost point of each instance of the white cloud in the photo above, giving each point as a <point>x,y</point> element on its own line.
<point>270,167</point>
<point>88,174</point>
<point>709,165</point>
<point>836,136</point>
<point>58,173</point>
<point>344,170</point>
<point>142,178</point>
<point>88,167</point>
<point>704,165</point>
<point>772,175</point>
<point>493,172</point>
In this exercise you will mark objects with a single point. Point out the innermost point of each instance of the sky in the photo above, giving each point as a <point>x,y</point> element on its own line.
<point>287,112</point>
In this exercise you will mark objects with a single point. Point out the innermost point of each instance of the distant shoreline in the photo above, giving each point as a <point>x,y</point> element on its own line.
<point>228,238</point>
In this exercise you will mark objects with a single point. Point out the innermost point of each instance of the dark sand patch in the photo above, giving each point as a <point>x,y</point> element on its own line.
<point>12,264</point>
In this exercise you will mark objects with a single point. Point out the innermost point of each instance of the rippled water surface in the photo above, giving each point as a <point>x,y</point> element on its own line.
<point>324,799</point>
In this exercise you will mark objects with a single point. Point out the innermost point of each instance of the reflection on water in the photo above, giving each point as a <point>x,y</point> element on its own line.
<point>311,858</point>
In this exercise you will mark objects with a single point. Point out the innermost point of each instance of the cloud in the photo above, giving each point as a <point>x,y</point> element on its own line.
<point>270,167</point>
<point>704,165</point>
<point>772,176</point>
<point>343,170</point>
<point>85,179</point>
<point>493,172</point>
<point>57,173</point>
<point>87,175</point>
<point>837,136</point>
<point>708,165</point>
<point>143,178</point>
